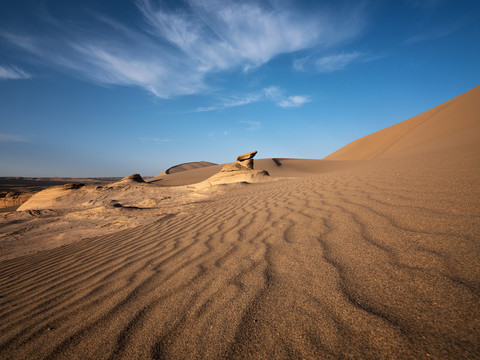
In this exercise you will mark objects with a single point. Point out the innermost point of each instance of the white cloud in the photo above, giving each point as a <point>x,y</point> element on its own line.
<point>231,102</point>
<point>13,73</point>
<point>330,63</point>
<point>336,62</point>
<point>276,94</point>
<point>219,35</point>
<point>333,62</point>
<point>176,49</point>
<point>271,93</point>
<point>293,101</point>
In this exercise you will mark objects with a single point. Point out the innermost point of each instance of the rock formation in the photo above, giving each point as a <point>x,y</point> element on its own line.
<point>238,172</point>
<point>13,198</point>
<point>128,180</point>
<point>133,178</point>
<point>244,162</point>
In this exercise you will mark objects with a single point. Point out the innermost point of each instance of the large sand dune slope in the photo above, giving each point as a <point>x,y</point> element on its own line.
<point>455,122</point>
<point>375,259</point>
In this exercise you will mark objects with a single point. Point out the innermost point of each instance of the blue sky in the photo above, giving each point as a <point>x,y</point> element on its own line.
<point>110,88</point>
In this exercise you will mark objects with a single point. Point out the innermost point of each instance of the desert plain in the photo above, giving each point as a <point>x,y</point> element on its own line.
<point>370,253</point>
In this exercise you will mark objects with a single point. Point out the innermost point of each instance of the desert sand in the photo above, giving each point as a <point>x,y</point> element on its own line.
<point>371,253</point>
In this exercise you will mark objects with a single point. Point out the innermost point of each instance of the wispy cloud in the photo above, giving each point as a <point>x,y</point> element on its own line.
<point>276,94</point>
<point>335,62</point>
<point>13,73</point>
<point>219,35</point>
<point>293,101</point>
<point>271,93</point>
<point>13,138</point>
<point>231,102</point>
<point>174,50</point>
<point>329,63</point>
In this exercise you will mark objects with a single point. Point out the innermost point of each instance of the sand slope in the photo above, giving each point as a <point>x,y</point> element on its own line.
<point>455,122</point>
<point>378,260</point>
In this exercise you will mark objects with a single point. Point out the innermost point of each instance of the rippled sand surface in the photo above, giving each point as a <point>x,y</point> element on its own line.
<point>381,261</point>
<point>370,259</point>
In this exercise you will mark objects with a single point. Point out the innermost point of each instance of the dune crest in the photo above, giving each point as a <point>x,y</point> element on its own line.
<point>187,166</point>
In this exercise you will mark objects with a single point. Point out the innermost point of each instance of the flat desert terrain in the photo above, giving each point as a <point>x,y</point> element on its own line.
<point>370,253</point>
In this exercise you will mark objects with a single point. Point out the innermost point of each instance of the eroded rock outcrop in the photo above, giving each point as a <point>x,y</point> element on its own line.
<point>13,198</point>
<point>238,172</point>
<point>244,162</point>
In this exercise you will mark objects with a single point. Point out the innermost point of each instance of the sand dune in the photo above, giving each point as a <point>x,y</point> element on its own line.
<point>455,122</point>
<point>371,259</point>
<point>186,177</point>
<point>187,166</point>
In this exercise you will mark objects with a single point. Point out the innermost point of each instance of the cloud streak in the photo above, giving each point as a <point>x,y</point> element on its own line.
<point>275,94</point>
<point>293,101</point>
<point>232,102</point>
<point>173,50</point>
<point>13,73</point>
<point>336,62</point>
<point>329,63</point>
<point>271,93</point>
